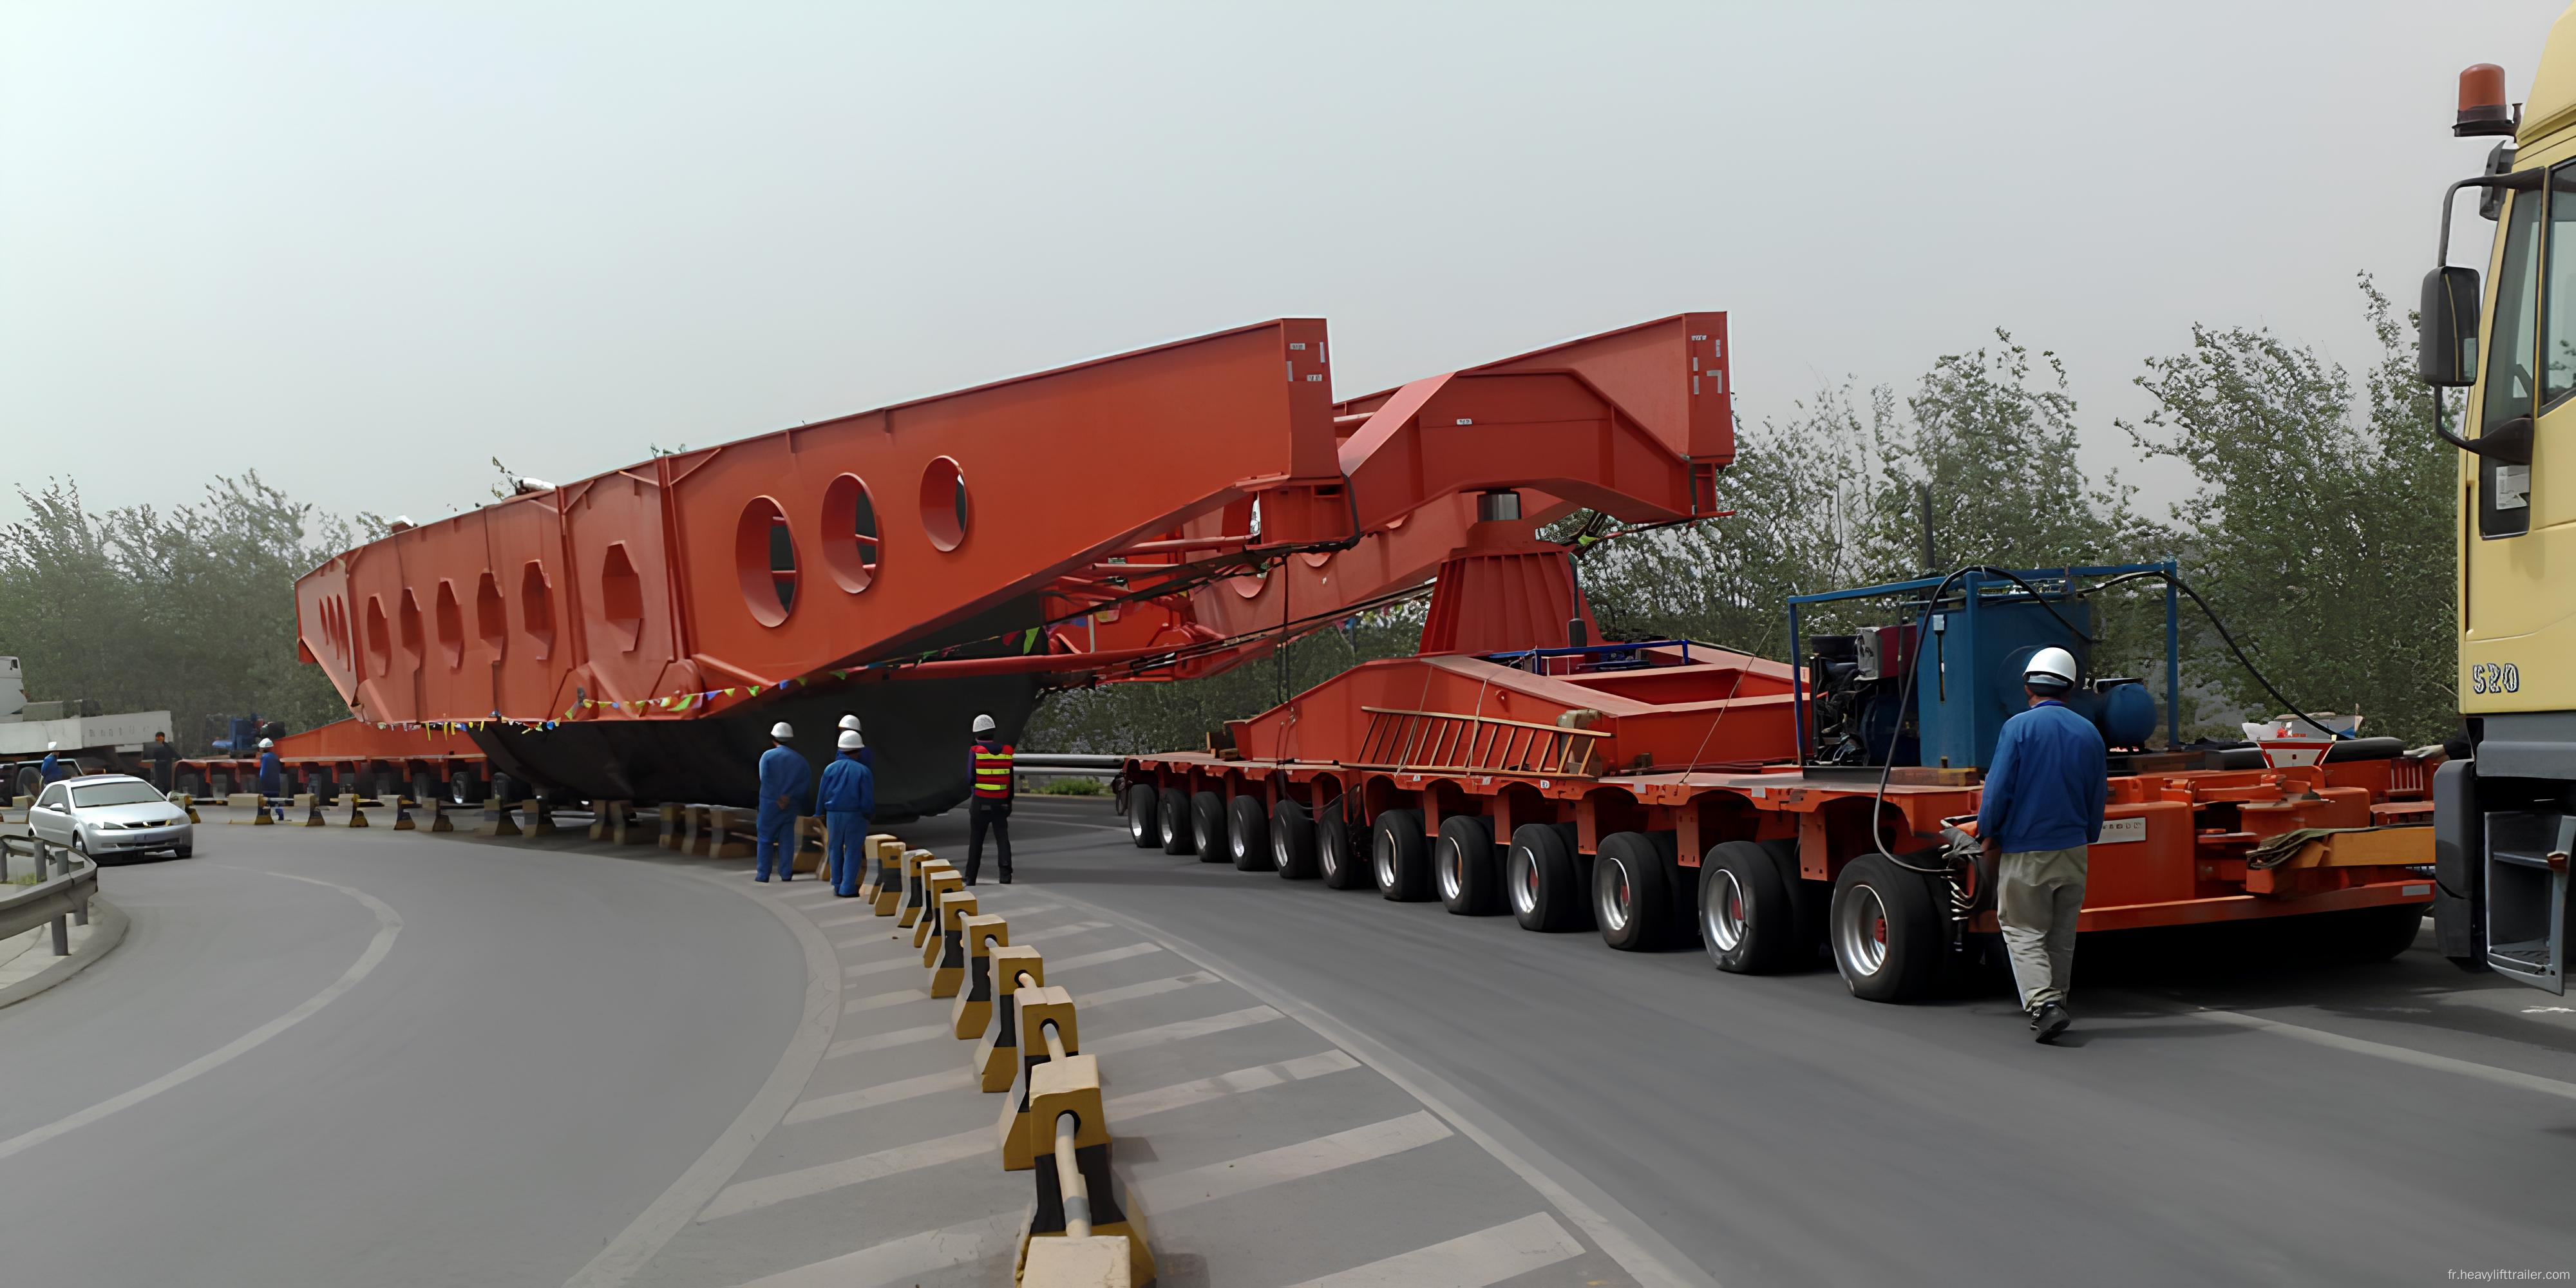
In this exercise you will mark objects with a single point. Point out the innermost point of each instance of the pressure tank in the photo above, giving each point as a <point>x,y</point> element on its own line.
<point>2126,715</point>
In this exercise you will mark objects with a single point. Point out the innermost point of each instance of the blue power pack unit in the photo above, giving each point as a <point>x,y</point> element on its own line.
<point>1967,678</point>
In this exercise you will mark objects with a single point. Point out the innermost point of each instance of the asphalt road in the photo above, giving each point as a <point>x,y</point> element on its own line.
<point>516,1053</point>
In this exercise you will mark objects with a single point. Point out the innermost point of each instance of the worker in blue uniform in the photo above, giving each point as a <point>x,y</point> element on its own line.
<point>51,767</point>
<point>272,778</point>
<point>2041,811</point>
<point>847,797</point>
<point>784,780</point>
<point>867,754</point>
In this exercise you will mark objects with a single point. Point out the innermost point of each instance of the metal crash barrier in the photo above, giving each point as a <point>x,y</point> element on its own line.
<point>62,898</point>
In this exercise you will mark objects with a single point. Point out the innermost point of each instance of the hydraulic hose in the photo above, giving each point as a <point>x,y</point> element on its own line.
<point>2221,627</point>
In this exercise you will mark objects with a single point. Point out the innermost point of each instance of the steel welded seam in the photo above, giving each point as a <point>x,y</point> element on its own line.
<point>388,927</point>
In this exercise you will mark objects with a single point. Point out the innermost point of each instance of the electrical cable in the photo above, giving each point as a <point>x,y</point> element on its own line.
<point>2212,614</point>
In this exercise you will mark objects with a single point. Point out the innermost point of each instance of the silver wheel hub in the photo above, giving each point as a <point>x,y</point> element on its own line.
<point>1722,911</point>
<point>1860,932</point>
<point>1384,851</point>
<point>1451,858</point>
<point>1616,896</point>
<point>1524,881</point>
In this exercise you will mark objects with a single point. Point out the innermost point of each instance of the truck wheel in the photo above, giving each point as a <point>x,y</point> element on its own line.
<point>1396,855</point>
<point>1462,860</point>
<point>30,783</point>
<point>2371,934</point>
<point>1885,934</point>
<point>1340,853</point>
<point>1543,880</point>
<point>1247,834</point>
<point>1175,811</point>
<point>188,784</point>
<point>460,788</point>
<point>1756,917</point>
<point>1632,892</point>
<point>219,785</point>
<point>1292,842</point>
<point>423,789</point>
<point>1145,816</point>
<point>1207,826</point>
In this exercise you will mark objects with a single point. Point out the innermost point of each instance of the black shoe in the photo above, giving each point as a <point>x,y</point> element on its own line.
<point>2049,1021</point>
<point>1006,881</point>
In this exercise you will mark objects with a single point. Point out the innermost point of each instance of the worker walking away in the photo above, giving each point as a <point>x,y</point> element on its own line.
<point>2042,807</point>
<point>991,807</point>
<point>784,780</point>
<point>272,778</point>
<point>51,767</point>
<point>846,800</point>
<point>161,756</point>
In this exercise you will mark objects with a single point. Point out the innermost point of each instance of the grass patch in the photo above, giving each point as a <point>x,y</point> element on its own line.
<point>1074,787</point>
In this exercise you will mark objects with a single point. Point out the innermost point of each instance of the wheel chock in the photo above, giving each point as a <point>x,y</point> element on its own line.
<point>1038,1008</point>
<point>1072,1086</point>
<point>498,819</point>
<point>945,954</point>
<point>974,1009</point>
<point>916,887</point>
<point>1100,1261</point>
<point>997,1057</point>
<point>937,878</point>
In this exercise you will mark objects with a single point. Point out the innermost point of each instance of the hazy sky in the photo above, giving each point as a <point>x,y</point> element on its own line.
<point>363,247</point>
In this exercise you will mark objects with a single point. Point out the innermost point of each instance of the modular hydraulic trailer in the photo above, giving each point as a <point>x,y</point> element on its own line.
<point>353,756</point>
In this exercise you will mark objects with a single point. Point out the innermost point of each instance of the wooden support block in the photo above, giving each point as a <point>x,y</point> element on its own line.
<point>916,886</point>
<point>600,814</point>
<point>997,1057</point>
<point>973,1012</point>
<point>697,830</point>
<point>541,817</point>
<point>438,819</point>
<point>800,856</point>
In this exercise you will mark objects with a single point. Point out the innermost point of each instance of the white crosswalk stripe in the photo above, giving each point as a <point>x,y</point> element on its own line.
<point>1179,1030</point>
<point>904,1260</point>
<point>1149,988</point>
<point>1164,1194</point>
<point>889,1038</point>
<point>881,1001</point>
<point>881,1094</point>
<point>1103,957</point>
<point>1534,1242</point>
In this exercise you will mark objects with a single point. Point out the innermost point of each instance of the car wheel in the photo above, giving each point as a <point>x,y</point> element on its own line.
<point>184,852</point>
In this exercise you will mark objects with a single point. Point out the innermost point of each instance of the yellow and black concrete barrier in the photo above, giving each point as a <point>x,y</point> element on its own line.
<point>945,954</point>
<point>1078,1195</point>
<point>357,811</point>
<point>973,1011</point>
<point>1047,1032</point>
<point>883,856</point>
<point>997,1056</point>
<point>402,815</point>
<point>937,878</point>
<point>498,819</point>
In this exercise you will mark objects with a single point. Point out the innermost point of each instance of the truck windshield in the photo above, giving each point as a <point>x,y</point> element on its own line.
<point>2508,387</point>
<point>125,793</point>
<point>2558,292</point>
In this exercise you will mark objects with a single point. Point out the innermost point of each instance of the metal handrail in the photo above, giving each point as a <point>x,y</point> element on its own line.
<point>1459,742</point>
<point>62,899</point>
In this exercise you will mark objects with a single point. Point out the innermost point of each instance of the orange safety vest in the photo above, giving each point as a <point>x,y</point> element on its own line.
<point>993,772</point>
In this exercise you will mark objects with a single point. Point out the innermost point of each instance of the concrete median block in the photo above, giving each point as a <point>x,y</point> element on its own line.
<point>880,856</point>
<point>1072,1086</point>
<point>937,878</point>
<point>403,821</point>
<point>997,1057</point>
<point>188,803</point>
<point>973,1011</point>
<point>895,885</point>
<point>313,812</point>
<point>240,800</point>
<point>498,819</point>
<point>357,813</point>
<point>1038,1008</point>
<point>1100,1261</point>
<point>670,837</point>
<point>731,832</point>
<point>945,954</point>
<point>438,819</point>
<point>915,898</point>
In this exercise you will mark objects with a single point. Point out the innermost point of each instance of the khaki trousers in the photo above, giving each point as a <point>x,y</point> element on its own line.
<point>2038,896</point>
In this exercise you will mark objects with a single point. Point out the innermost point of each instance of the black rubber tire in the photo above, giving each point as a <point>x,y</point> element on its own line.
<point>1292,842</point>
<point>1877,901</point>
<point>1145,816</point>
<point>1247,834</point>
<point>423,788</point>
<point>184,852</point>
<point>1173,805</point>
<point>1398,857</point>
<point>462,789</point>
<point>1766,926</point>
<point>1465,867</point>
<point>218,785</point>
<point>1207,827</point>
<point>30,782</point>
<point>1341,853</point>
<point>324,783</point>
<point>1543,880</point>
<point>2371,934</point>
<point>1632,892</point>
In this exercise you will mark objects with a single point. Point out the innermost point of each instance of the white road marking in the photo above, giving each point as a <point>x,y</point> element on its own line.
<point>1149,988</point>
<point>890,1038</point>
<point>388,926</point>
<point>1178,1030</point>
<point>1166,1194</point>
<point>904,1260</point>
<point>1059,932</point>
<point>746,1196</point>
<point>881,1094</point>
<point>883,1000</point>
<point>2401,1055</point>
<point>1534,1242</point>
<point>1103,957</point>
<point>688,1195</point>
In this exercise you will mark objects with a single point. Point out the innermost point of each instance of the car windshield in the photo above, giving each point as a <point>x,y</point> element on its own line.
<point>129,792</point>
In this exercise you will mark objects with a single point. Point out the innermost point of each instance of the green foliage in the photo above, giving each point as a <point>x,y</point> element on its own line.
<point>1074,787</point>
<point>2321,524</point>
<point>1167,715</point>
<point>191,609</point>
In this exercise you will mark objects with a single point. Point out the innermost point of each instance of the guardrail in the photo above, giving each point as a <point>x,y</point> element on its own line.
<point>61,899</point>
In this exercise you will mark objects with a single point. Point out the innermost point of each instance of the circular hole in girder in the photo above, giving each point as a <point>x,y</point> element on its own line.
<point>944,509</point>
<point>850,539</point>
<point>764,557</point>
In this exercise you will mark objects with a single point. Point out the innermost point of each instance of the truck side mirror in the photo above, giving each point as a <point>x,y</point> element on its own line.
<point>2446,351</point>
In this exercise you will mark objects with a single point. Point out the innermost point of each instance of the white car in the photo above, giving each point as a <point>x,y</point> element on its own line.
<point>104,815</point>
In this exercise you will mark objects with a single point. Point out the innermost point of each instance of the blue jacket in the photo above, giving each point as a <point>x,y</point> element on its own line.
<point>2046,787</point>
<point>783,773</point>
<point>51,768</point>
<point>848,787</point>
<point>272,774</point>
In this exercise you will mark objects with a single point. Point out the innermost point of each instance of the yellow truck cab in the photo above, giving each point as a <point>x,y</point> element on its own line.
<point>2505,818</point>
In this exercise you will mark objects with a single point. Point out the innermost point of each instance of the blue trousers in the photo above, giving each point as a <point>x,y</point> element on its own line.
<point>777,840</point>
<point>845,834</point>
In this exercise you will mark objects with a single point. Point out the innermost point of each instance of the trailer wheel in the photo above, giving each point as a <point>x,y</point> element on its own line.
<point>1292,842</point>
<point>1885,934</point>
<point>188,784</point>
<point>1396,856</point>
<point>423,789</point>
<point>1462,861</point>
<point>2371,934</point>
<point>1543,881</point>
<point>1145,816</point>
<point>1340,850</point>
<point>219,784</point>
<point>1207,826</point>
<point>1247,834</point>
<point>1632,892</point>
<point>1750,915</point>
<point>1174,806</point>
<point>460,787</point>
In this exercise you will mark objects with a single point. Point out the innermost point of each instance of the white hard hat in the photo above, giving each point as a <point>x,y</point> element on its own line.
<point>850,723</point>
<point>781,730</point>
<point>2050,667</point>
<point>52,745</point>
<point>983,724</point>
<point>850,740</point>
<point>265,744</point>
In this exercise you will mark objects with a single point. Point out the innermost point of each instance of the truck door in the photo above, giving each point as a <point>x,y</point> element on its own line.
<point>2515,622</point>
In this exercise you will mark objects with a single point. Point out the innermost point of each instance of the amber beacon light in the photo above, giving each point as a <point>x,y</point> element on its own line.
<point>2482,105</point>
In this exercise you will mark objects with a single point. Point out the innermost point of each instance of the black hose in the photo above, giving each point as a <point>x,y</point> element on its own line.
<point>2221,627</point>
